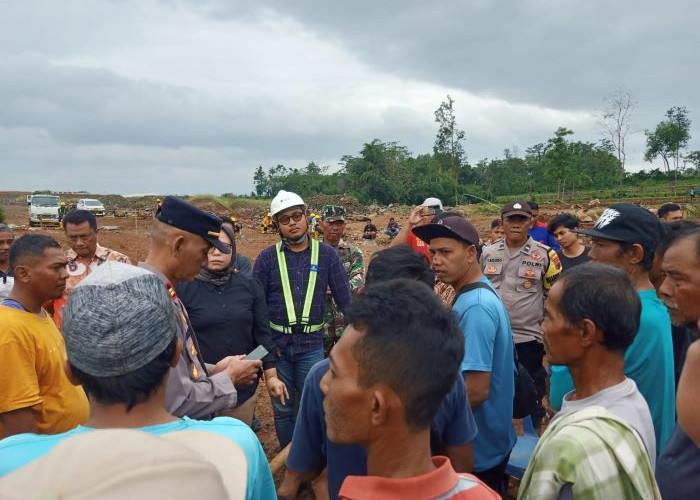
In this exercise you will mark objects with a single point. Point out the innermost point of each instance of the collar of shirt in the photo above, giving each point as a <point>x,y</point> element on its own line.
<point>430,485</point>
<point>101,253</point>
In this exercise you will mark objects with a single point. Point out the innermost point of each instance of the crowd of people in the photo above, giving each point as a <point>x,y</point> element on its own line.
<point>399,378</point>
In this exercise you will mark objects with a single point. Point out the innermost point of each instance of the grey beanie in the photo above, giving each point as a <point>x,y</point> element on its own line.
<point>117,319</point>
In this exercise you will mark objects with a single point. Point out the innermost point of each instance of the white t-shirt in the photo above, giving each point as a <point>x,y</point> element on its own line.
<point>625,401</point>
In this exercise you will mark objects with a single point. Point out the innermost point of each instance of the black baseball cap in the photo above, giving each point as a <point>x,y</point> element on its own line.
<point>454,226</point>
<point>180,214</point>
<point>627,223</point>
<point>516,207</point>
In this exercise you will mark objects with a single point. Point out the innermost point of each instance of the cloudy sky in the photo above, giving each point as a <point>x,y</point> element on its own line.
<point>190,96</point>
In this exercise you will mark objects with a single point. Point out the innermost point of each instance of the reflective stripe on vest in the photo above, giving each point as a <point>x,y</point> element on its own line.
<point>287,292</point>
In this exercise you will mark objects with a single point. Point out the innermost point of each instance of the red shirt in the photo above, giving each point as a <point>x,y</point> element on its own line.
<point>418,245</point>
<point>443,482</point>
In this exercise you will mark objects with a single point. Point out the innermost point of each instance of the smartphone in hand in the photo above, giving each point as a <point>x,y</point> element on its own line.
<point>258,353</point>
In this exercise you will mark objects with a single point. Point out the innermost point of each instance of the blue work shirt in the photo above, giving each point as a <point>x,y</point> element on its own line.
<point>311,449</point>
<point>331,274</point>
<point>19,450</point>
<point>488,347</point>
<point>648,361</point>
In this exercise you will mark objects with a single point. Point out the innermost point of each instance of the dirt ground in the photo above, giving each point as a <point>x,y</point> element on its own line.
<point>131,237</point>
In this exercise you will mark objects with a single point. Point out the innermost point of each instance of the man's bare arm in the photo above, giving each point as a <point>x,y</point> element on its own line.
<point>18,421</point>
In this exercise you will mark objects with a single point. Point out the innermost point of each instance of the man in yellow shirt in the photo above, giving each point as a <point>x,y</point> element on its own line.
<point>35,393</point>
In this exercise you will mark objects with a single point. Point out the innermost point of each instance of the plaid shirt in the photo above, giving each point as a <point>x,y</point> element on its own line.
<point>330,274</point>
<point>594,455</point>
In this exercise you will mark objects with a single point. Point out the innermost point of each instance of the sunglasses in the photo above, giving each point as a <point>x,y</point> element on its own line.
<point>296,217</point>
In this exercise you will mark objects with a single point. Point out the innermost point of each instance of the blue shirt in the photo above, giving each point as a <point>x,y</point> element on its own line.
<point>311,449</point>
<point>540,233</point>
<point>488,347</point>
<point>678,467</point>
<point>19,450</point>
<point>330,274</point>
<point>648,361</point>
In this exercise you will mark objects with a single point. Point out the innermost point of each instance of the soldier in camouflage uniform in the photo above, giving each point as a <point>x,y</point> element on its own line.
<point>333,227</point>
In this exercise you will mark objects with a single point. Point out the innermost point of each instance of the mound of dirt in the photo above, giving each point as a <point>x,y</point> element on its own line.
<point>211,206</point>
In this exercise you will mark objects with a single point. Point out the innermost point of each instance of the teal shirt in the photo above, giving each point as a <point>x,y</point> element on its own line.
<point>19,450</point>
<point>648,361</point>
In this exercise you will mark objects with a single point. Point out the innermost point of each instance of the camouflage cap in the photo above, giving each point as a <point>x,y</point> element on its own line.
<point>332,213</point>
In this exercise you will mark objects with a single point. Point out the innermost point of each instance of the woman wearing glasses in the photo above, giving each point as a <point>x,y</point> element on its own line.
<point>227,310</point>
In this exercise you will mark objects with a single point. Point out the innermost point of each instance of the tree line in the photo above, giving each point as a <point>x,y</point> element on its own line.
<point>387,172</point>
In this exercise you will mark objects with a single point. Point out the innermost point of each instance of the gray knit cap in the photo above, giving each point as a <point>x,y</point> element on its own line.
<point>117,319</point>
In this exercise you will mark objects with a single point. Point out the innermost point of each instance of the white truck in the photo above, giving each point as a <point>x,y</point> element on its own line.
<point>43,210</point>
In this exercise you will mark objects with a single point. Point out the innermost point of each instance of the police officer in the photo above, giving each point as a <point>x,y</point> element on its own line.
<point>295,274</point>
<point>523,270</point>
<point>180,239</point>
<point>333,229</point>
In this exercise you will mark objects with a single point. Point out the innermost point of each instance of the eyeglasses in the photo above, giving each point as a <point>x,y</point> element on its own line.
<point>227,245</point>
<point>296,217</point>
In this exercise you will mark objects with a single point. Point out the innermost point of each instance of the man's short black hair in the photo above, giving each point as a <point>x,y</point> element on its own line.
<point>132,388</point>
<point>400,261</point>
<point>692,234</point>
<point>533,205</point>
<point>412,342</point>
<point>648,258</point>
<point>78,217</point>
<point>604,294</point>
<point>671,231</point>
<point>30,245</point>
<point>565,219</point>
<point>666,208</point>
<point>496,223</point>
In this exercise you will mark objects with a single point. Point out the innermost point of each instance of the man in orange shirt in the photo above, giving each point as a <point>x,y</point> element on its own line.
<point>382,393</point>
<point>84,256</point>
<point>35,393</point>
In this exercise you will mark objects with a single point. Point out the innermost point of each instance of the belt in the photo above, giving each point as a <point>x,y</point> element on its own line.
<point>296,329</point>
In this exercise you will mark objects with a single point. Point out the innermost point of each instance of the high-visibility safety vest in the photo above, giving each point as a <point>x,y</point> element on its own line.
<point>294,324</point>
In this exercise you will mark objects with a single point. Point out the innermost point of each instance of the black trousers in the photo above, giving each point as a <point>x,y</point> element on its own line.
<point>496,477</point>
<point>530,355</point>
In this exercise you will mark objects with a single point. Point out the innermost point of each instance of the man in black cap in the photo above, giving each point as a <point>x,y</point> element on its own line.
<point>523,270</point>
<point>626,236</point>
<point>180,239</point>
<point>487,366</point>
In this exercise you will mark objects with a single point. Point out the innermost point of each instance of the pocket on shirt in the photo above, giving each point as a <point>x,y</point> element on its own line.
<point>528,279</point>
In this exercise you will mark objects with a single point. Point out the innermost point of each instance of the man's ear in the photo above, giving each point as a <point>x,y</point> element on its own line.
<point>68,369</point>
<point>588,333</point>
<point>177,244</point>
<point>177,353</point>
<point>380,407</point>
<point>22,272</point>
<point>635,254</point>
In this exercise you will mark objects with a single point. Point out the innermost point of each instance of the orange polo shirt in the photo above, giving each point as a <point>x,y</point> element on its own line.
<point>443,482</point>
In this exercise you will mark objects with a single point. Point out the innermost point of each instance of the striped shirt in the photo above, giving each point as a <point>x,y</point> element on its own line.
<point>441,484</point>
<point>589,454</point>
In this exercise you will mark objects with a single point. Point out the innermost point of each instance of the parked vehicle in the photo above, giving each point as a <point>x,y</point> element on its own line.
<point>91,204</point>
<point>44,210</point>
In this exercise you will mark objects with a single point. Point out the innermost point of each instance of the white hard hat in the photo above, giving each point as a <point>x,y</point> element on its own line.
<point>285,200</point>
<point>432,202</point>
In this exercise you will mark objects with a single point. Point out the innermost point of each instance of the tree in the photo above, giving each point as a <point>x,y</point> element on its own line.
<point>260,181</point>
<point>616,122</point>
<point>448,142</point>
<point>669,138</point>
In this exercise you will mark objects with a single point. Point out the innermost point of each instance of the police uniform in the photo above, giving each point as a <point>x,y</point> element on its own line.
<point>190,390</point>
<point>522,279</point>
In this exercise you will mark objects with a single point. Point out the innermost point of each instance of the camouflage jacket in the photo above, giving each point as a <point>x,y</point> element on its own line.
<point>353,262</point>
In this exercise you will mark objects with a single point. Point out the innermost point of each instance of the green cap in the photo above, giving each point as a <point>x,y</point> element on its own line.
<point>331,213</point>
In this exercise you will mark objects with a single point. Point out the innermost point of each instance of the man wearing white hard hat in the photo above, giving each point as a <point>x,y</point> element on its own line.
<point>295,274</point>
